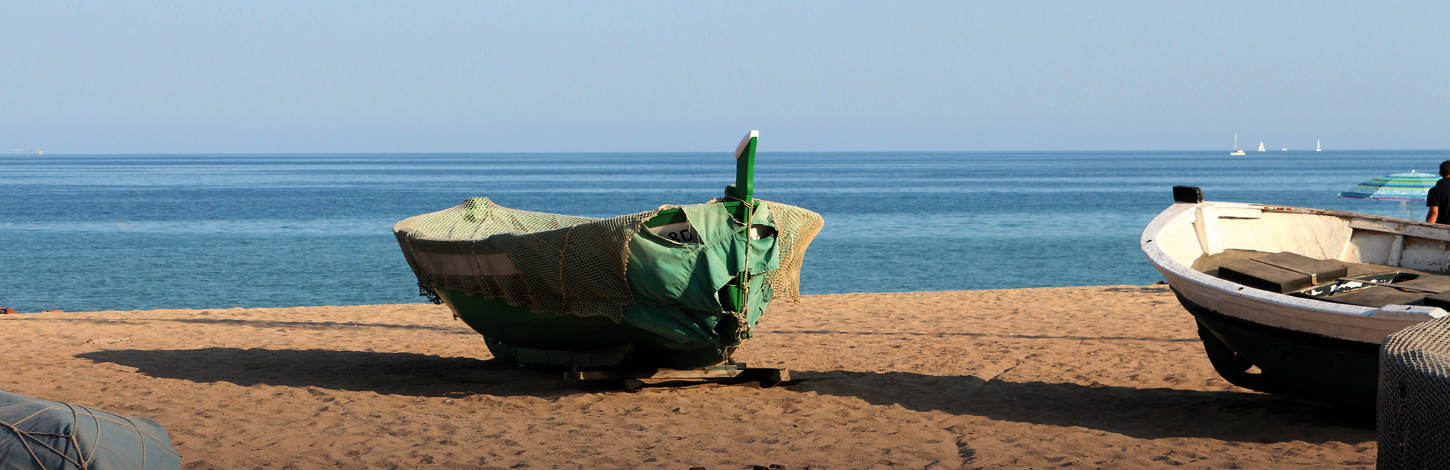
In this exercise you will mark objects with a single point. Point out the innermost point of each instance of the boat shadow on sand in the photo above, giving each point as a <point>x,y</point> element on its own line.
<point>1148,413</point>
<point>389,373</point>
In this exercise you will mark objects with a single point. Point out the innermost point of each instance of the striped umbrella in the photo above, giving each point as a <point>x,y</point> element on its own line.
<point>1410,186</point>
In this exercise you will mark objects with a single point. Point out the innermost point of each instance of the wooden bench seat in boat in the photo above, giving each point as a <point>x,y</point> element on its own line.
<point>1292,274</point>
<point>1282,272</point>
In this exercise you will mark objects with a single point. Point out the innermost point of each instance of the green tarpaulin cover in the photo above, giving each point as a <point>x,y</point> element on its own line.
<point>652,280</point>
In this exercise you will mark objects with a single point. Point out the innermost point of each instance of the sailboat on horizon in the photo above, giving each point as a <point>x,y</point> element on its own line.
<point>1261,145</point>
<point>1317,148</point>
<point>1237,152</point>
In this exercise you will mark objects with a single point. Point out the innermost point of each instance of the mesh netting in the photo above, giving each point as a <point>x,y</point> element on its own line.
<point>796,228</point>
<point>558,264</point>
<point>1414,388</point>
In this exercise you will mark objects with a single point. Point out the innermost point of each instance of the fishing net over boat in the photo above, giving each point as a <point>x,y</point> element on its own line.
<point>569,265</point>
<point>1413,391</point>
<point>51,435</point>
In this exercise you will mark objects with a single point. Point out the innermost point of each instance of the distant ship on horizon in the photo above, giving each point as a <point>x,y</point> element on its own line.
<point>1237,151</point>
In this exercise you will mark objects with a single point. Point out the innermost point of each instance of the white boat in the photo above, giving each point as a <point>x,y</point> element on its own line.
<point>1317,148</point>
<point>1308,329</point>
<point>1283,148</point>
<point>1237,151</point>
<point>1261,145</point>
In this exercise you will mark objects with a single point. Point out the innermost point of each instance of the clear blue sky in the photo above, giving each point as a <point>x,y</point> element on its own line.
<point>135,77</point>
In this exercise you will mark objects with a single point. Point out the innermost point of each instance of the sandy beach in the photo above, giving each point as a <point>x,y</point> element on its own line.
<point>1079,377</point>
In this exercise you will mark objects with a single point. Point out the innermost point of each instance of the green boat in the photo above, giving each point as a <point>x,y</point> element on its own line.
<point>675,287</point>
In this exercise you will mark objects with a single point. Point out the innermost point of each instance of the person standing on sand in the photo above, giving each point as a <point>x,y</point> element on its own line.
<point>1439,198</point>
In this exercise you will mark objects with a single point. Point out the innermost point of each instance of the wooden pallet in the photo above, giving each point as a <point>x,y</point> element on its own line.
<point>634,380</point>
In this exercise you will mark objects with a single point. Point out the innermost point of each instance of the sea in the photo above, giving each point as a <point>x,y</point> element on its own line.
<point>127,232</point>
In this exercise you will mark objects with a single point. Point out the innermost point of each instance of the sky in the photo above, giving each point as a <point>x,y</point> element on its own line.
<point>624,76</point>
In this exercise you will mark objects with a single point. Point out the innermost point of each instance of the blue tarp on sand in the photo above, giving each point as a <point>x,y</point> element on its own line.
<point>44,434</point>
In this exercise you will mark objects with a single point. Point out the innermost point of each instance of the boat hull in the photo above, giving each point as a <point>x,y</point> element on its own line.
<point>644,300</point>
<point>1289,362</point>
<point>645,336</point>
<point>1281,343</point>
<point>677,286</point>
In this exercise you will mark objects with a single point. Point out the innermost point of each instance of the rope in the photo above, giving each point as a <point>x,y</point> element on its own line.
<point>31,435</point>
<point>22,435</point>
<point>563,281</point>
<point>140,437</point>
<point>745,278</point>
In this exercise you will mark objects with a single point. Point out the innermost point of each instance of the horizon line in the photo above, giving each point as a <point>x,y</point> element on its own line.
<point>583,152</point>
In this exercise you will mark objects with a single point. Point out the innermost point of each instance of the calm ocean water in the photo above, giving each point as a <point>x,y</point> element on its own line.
<point>88,232</point>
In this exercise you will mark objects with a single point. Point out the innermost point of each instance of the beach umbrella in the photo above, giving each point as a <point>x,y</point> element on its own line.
<point>1410,186</point>
<point>1401,187</point>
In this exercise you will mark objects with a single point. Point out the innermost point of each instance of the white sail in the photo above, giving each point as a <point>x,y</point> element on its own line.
<point>1261,145</point>
<point>1236,151</point>
<point>1317,148</point>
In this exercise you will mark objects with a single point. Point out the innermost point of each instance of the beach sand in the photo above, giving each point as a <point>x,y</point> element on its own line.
<point>1078,377</point>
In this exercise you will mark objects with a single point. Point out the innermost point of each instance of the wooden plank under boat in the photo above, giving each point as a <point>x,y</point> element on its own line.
<point>1316,338</point>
